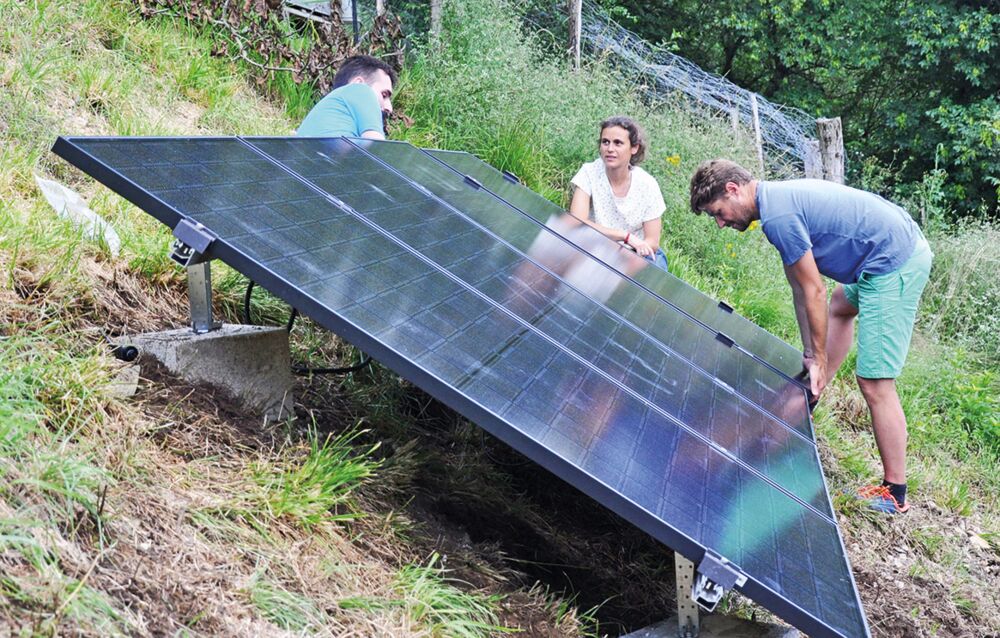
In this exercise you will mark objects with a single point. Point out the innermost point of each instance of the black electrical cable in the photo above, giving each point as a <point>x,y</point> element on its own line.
<point>122,351</point>
<point>300,369</point>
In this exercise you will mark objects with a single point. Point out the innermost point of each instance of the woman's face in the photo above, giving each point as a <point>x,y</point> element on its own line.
<point>615,147</point>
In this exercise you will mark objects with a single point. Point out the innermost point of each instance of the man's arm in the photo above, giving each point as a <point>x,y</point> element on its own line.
<point>809,295</point>
<point>374,135</point>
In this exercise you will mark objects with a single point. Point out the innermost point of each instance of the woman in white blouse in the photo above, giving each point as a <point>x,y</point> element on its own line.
<point>626,200</point>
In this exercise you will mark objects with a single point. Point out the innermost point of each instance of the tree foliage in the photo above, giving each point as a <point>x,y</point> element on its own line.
<point>916,82</point>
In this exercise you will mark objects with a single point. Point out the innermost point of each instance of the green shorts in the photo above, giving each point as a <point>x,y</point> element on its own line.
<point>887,308</point>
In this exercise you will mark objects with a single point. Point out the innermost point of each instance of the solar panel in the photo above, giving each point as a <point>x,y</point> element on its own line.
<point>674,291</point>
<point>449,287</point>
<point>631,300</point>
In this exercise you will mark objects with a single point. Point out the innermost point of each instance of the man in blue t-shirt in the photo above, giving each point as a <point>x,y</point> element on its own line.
<point>881,260</point>
<point>362,92</point>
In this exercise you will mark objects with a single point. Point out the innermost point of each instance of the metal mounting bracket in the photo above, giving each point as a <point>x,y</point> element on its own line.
<point>725,339</point>
<point>715,576</point>
<point>193,241</point>
<point>189,250</point>
<point>200,297</point>
<point>688,621</point>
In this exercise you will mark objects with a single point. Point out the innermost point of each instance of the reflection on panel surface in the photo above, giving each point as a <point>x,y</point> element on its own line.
<point>584,378</point>
<point>620,294</point>
<point>763,344</point>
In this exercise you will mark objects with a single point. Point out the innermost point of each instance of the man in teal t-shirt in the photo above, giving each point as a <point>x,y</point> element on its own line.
<point>876,252</point>
<point>362,92</point>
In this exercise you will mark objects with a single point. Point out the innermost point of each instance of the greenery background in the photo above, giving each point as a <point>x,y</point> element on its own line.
<point>167,514</point>
<point>915,82</point>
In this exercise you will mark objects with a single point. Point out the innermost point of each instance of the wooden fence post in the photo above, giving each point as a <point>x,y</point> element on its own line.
<point>435,19</point>
<point>813,163</point>
<point>575,27</point>
<point>756,133</point>
<point>831,148</point>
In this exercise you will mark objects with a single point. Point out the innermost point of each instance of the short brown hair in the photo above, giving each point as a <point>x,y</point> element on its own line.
<point>636,135</point>
<point>709,182</point>
<point>364,65</point>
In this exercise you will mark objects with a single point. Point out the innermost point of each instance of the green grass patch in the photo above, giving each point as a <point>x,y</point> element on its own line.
<point>439,606</point>
<point>316,486</point>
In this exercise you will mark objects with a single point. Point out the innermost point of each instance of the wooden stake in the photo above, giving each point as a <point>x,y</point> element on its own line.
<point>435,19</point>
<point>575,31</point>
<point>831,148</point>
<point>756,132</point>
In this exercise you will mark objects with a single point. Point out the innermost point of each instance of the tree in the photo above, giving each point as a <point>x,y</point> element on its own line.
<point>915,82</point>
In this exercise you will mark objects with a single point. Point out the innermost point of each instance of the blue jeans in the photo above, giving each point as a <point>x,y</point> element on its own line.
<point>659,259</point>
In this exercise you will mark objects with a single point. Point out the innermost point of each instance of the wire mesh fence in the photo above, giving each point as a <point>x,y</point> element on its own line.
<point>665,76</point>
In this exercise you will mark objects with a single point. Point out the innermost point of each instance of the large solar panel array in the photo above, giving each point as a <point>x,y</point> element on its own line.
<point>591,373</point>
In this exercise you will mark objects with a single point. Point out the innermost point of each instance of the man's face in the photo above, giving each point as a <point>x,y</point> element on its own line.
<point>382,85</point>
<point>734,209</point>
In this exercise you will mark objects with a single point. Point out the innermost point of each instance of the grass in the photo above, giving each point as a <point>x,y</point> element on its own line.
<point>441,607</point>
<point>286,609</point>
<point>311,488</point>
<point>50,495</point>
<point>315,528</point>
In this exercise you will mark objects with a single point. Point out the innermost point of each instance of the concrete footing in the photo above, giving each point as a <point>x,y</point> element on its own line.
<point>718,627</point>
<point>249,363</point>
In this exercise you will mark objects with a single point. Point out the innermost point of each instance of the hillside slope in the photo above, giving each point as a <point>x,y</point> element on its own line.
<point>379,512</point>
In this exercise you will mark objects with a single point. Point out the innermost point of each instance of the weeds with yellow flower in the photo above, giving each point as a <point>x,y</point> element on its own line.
<point>674,160</point>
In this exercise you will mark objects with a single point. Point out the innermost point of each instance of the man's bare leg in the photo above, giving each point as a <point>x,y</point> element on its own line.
<point>839,330</point>
<point>889,424</point>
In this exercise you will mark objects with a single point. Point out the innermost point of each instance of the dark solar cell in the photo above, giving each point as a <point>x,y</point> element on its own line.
<point>579,384</point>
<point>758,341</point>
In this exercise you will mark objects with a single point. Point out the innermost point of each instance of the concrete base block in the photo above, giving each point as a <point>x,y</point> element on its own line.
<point>718,627</point>
<point>125,381</point>
<point>250,363</point>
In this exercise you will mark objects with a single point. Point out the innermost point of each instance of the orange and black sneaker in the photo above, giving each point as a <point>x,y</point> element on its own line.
<point>881,499</point>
